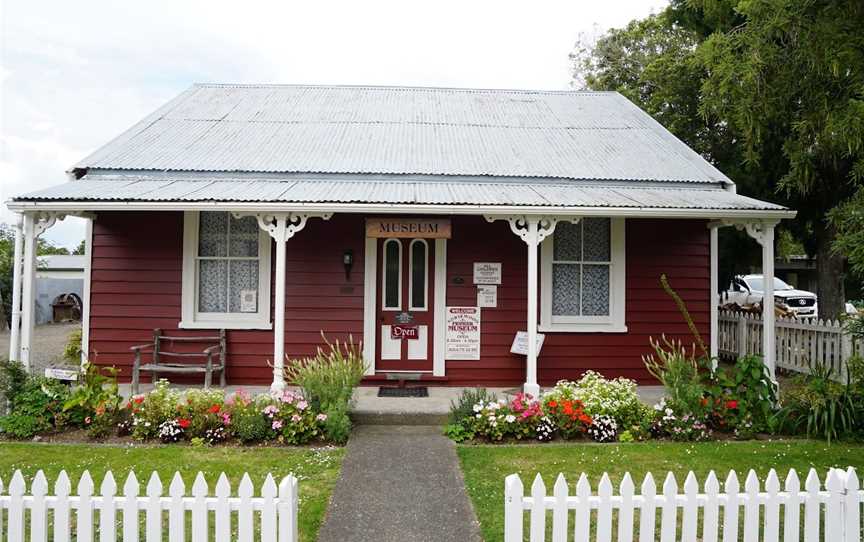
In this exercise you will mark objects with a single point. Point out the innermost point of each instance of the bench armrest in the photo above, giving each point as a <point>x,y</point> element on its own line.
<point>140,347</point>
<point>212,349</point>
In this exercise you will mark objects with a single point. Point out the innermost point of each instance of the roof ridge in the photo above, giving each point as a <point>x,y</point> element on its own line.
<point>404,88</point>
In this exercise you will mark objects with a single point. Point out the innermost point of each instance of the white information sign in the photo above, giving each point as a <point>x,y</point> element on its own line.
<point>248,300</point>
<point>520,343</point>
<point>487,295</point>
<point>463,333</point>
<point>487,272</point>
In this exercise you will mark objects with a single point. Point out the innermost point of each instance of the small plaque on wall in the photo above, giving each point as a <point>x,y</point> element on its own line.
<point>463,333</point>
<point>487,295</point>
<point>487,272</point>
<point>520,343</point>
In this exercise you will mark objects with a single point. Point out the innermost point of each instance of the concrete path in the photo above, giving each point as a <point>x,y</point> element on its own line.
<point>400,483</point>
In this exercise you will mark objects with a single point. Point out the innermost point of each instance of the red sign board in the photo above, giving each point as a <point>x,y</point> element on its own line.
<point>404,331</point>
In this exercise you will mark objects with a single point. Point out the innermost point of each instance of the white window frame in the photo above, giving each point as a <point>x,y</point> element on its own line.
<point>384,306</point>
<point>614,322</point>
<point>191,318</point>
<point>425,306</point>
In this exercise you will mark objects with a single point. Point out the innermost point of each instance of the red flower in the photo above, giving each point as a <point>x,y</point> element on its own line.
<point>214,409</point>
<point>553,404</point>
<point>732,404</point>
<point>704,401</point>
<point>183,422</point>
<point>138,400</point>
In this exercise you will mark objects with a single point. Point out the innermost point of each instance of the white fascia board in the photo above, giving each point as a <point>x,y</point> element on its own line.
<point>394,208</point>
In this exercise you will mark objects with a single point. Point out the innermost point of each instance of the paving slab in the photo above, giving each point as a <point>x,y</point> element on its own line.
<point>400,483</point>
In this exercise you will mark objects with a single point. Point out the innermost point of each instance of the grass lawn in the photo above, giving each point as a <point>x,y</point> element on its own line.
<point>486,466</point>
<point>316,469</point>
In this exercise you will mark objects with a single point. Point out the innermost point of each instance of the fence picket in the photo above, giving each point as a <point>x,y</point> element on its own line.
<point>668,510</point>
<point>625,514</point>
<point>772,507</point>
<point>199,508</point>
<point>62,489</point>
<point>712,508</point>
<point>691,510</point>
<point>269,492</point>
<point>25,516</point>
<point>177,512</point>
<point>245,529</point>
<point>538,510</point>
<point>730,509</point>
<point>16,507</point>
<point>751,507</point>
<point>852,507</point>
<point>223,509</point>
<point>153,509</point>
<point>130,508</point>
<point>647,515</point>
<point>39,509</point>
<point>604,509</point>
<point>108,510</point>
<point>811,507</point>
<point>288,509</point>
<point>559,512</point>
<point>833,506</point>
<point>792,508</point>
<point>581,520</point>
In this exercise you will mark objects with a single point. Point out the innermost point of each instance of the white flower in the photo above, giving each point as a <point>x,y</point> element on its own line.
<point>510,418</point>
<point>478,407</point>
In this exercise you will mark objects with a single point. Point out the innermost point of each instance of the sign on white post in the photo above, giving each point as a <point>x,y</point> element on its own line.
<point>487,272</point>
<point>487,295</point>
<point>463,333</point>
<point>520,343</point>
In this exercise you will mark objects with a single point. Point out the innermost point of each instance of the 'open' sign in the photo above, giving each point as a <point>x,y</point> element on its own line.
<point>403,331</point>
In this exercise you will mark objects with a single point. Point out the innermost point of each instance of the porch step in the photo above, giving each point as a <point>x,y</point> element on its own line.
<point>369,409</point>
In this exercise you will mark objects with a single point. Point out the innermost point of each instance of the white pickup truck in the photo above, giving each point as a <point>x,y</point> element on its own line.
<point>748,290</point>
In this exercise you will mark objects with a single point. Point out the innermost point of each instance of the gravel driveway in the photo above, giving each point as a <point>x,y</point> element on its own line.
<point>48,343</point>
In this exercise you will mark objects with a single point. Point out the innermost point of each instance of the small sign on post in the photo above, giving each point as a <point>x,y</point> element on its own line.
<point>520,343</point>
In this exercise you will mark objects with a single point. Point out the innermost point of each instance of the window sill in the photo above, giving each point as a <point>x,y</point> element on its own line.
<point>582,328</point>
<point>226,324</point>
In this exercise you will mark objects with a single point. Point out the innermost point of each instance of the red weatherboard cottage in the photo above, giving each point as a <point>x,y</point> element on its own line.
<point>432,224</point>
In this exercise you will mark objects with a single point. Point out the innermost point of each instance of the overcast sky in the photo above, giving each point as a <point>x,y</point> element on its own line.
<point>76,74</point>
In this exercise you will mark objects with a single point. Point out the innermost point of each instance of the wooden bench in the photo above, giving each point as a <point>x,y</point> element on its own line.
<point>186,362</point>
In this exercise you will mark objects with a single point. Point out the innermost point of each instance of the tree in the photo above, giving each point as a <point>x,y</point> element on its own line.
<point>793,72</point>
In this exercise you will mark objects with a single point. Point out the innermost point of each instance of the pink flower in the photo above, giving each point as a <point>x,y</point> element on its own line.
<point>87,420</point>
<point>302,405</point>
<point>321,417</point>
<point>288,396</point>
<point>296,418</point>
<point>276,425</point>
<point>271,410</point>
<point>226,418</point>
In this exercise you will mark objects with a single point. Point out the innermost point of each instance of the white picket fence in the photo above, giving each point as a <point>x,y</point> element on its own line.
<point>751,515</point>
<point>50,515</point>
<point>801,343</point>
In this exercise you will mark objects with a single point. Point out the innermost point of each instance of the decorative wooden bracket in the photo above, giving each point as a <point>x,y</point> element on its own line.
<point>283,226</point>
<point>521,225</point>
<point>756,229</point>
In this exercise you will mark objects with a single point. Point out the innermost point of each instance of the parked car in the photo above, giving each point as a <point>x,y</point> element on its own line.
<point>748,290</point>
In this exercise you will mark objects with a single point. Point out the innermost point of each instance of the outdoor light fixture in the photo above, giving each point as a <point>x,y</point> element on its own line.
<point>348,261</point>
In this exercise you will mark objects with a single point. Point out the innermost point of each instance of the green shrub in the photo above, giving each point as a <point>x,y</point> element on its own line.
<point>37,407</point>
<point>462,408</point>
<point>247,421</point>
<point>72,349</point>
<point>328,380</point>
<point>94,402</point>
<point>458,432</point>
<point>13,377</point>
<point>149,411</point>
<point>817,406</point>
<point>23,426</point>
<point>602,397</point>
<point>742,398</point>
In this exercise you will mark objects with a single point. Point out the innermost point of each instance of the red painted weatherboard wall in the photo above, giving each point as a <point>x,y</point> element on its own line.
<point>678,248</point>
<point>136,281</point>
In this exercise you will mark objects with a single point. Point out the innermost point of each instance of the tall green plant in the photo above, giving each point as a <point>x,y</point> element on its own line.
<point>328,380</point>
<point>678,371</point>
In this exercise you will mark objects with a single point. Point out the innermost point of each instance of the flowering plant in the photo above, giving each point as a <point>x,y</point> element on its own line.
<point>685,426</point>
<point>492,420</point>
<point>292,419</point>
<point>525,415</point>
<point>545,429</point>
<point>172,430</point>
<point>598,395</point>
<point>147,412</point>
<point>603,428</point>
<point>568,415</point>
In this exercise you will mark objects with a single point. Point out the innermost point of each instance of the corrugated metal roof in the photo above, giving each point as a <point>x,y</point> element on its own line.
<point>420,192</point>
<point>394,130</point>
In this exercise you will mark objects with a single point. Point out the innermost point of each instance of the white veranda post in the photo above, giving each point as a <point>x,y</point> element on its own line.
<point>281,227</point>
<point>15,334</point>
<point>532,230</point>
<point>714,294</point>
